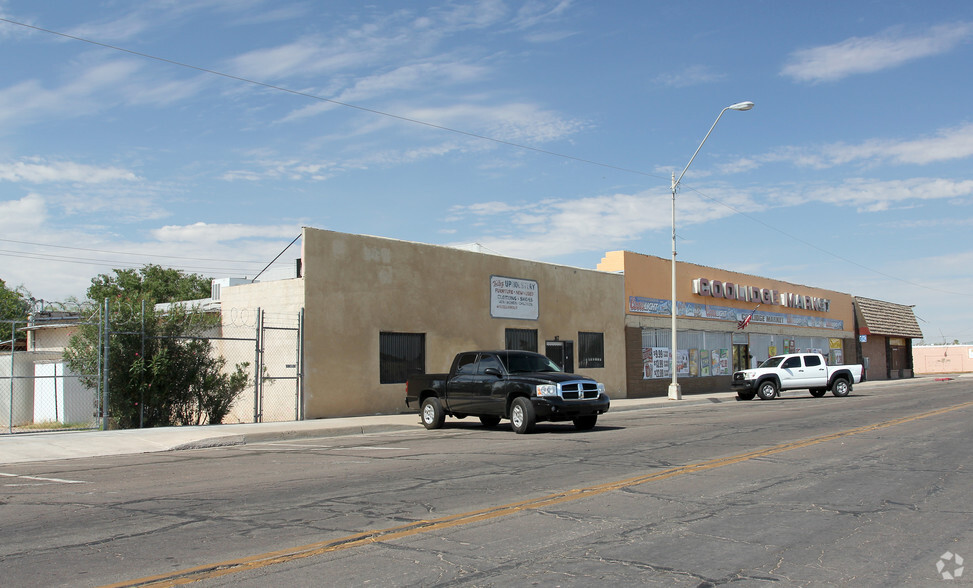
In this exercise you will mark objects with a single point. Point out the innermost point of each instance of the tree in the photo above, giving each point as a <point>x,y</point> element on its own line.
<point>14,306</point>
<point>162,370</point>
<point>152,283</point>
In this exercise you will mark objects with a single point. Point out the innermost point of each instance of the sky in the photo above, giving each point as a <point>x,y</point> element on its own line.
<point>203,134</point>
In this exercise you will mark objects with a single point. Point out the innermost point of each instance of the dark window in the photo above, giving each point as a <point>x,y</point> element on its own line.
<point>465,364</point>
<point>591,350</point>
<point>791,363</point>
<point>521,339</point>
<point>487,361</point>
<point>401,355</point>
<point>810,360</point>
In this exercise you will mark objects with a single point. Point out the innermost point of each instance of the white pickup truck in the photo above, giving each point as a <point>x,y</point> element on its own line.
<point>796,371</point>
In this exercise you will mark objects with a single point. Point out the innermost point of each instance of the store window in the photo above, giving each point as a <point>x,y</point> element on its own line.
<point>520,340</point>
<point>401,355</point>
<point>698,354</point>
<point>591,350</point>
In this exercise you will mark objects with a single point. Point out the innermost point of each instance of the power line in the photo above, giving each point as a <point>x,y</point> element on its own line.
<point>451,130</point>
<point>107,262</point>
<point>323,99</point>
<point>124,252</point>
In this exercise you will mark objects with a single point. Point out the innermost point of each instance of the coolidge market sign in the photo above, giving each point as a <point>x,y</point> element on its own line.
<point>715,291</point>
<point>766,296</point>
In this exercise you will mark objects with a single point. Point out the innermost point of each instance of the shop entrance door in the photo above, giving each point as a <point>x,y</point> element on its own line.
<point>741,357</point>
<point>561,353</point>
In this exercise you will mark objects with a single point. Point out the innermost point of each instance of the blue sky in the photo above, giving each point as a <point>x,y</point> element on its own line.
<point>203,135</point>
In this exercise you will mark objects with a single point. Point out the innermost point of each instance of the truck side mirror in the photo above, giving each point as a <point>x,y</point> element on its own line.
<point>492,371</point>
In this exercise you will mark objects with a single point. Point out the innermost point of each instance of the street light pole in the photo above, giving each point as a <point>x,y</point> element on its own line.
<point>675,393</point>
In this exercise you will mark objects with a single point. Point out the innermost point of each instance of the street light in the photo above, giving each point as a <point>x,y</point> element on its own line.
<point>674,391</point>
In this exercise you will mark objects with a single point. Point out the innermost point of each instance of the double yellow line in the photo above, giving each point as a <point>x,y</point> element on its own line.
<point>236,566</point>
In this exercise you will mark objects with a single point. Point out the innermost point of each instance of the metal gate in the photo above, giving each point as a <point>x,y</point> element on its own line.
<point>278,383</point>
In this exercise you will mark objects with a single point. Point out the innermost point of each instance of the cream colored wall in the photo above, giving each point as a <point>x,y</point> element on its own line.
<point>649,276</point>
<point>358,286</point>
<point>942,359</point>
<point>285,297</point>
<point>281,302</point>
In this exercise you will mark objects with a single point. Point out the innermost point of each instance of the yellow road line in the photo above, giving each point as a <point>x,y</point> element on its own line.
<point>235,566</point>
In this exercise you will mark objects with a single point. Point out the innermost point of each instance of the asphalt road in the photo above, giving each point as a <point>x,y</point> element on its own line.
<point>869,490</point>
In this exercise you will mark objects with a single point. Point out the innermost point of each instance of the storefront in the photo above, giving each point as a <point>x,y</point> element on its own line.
<point>725,321</point>
<point>885,331</point>
<point>377,310</point>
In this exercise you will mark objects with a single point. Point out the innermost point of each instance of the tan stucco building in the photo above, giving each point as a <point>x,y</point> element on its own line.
<point>378,309</point>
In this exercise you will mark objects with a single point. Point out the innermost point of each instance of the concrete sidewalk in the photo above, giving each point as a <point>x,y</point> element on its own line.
<point>30,447</point>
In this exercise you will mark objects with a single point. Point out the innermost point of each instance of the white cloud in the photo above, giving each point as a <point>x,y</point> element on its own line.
<point>945,145</point>
<point>691,76</point>
<point>91,88</point>
<point>875,195</point>
<point>305,56</point>
<point>123,28</point>
<point>410,77</point>
<point>563,226</point>
<point>859,55</point>
<point>201,232</point>
<point>473,15</point>
<point>514,122</point>
<point>560,227</point>
<point>38,171</point>
<point>23,216</point>
<point>536,12</point>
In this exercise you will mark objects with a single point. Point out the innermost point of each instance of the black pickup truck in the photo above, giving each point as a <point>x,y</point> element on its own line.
<point>521,386</point>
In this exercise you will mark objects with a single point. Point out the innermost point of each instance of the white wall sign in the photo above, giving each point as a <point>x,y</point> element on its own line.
<point>513,298</point>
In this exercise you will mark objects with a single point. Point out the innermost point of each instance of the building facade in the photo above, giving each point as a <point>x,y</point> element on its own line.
<point>377,310</point>
<point>942,359</point>
<point>711,304</point>
<point>885,331</point>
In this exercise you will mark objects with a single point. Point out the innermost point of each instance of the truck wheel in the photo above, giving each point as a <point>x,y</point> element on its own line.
<point>585,423</point>
<point>522,417</point>
<point>432,413</point>
<point>818,392</point>
<point>748,395</point>
<point>840,387</point>
<point>490,421</point>
<point>767,390</point>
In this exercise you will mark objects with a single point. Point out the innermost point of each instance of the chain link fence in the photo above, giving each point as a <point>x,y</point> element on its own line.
<point>273,344</point>
<point>38,391</point>
<point>42,389</point>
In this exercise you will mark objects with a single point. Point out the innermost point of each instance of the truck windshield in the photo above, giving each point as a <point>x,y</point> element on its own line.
<point>527,363</point>
<point>772,362</point>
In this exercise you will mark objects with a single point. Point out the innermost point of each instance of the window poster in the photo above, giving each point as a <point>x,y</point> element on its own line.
<point>837,357</point>
<point>694,362</point>
<point>724,362</point>
<point>682,362</point>
<point>655,362</point>
<point>704,363</point>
